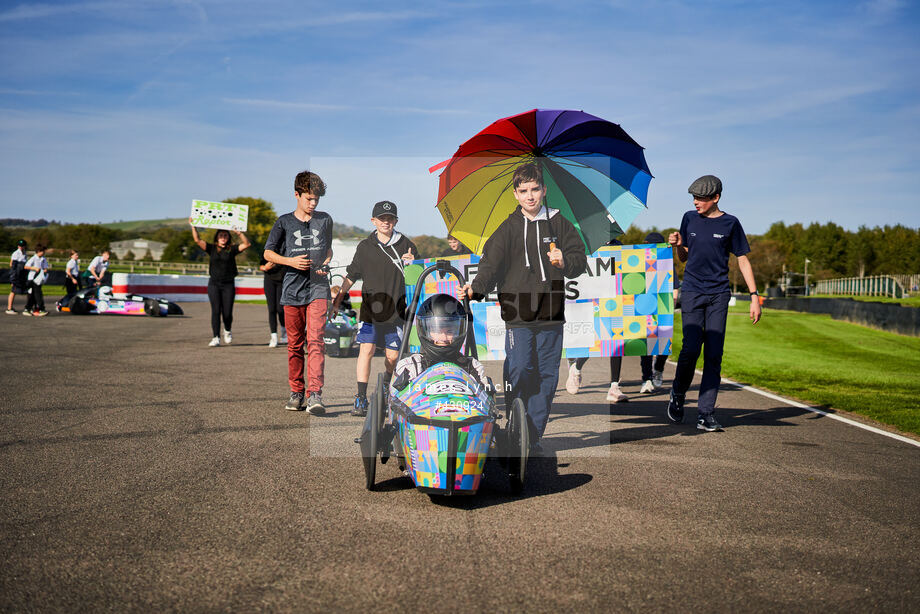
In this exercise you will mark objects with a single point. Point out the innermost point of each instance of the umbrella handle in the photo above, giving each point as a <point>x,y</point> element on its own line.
<point>552,246</point>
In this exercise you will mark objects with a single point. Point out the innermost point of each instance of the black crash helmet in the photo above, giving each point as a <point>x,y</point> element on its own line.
<point>440,318</point>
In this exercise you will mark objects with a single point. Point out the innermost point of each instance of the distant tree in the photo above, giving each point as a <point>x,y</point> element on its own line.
<point>344,231</point>
<point>181,247</point>
<point>429,247</point>
<point>262,217</point>
<point>7,242</point>
<point>861,247</point>
<point>88,239</point>
<point>767,260</point>
<point>897,250</point>
<point>165,234</point>
<point>147,257</point>
<point>129,255</point>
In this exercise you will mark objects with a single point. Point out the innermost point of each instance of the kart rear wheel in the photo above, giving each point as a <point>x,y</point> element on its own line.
<point>78,306</point>
<point>369,437</point>
<point>518,441</point>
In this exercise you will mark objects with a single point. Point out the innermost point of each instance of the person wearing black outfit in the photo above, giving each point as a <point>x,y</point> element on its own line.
<point>222,270</point>
<point>528,258</point>
<point>706,238</point>
<point>273,278</point>
<point>379,261</point>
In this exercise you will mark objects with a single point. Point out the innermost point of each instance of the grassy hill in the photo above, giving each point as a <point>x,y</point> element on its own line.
<point>139,225</point>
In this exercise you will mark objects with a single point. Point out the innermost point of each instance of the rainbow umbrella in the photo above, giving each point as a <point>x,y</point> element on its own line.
<point>595,174</point>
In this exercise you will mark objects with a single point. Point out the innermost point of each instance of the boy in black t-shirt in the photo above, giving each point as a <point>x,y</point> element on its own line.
<point>706,238</point>
<point>302,241</point>
<point>379,261</point>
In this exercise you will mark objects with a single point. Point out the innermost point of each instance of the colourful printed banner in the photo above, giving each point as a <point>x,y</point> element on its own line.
<point>228,216</point>
<point>623,305</point>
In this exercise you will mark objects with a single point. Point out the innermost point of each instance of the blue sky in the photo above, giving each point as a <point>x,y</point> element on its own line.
<point>129,110</point>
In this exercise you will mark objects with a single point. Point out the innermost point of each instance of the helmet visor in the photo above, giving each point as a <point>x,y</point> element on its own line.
<point>441,329</point>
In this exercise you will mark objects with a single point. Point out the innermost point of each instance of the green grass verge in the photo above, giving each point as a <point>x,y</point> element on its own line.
<point>49,291</point>
<point>909,301</point>
<point>824,362</point>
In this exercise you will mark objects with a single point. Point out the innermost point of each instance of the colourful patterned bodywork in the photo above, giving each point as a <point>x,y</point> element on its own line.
<point>445,429</point>
<point>622,305</point>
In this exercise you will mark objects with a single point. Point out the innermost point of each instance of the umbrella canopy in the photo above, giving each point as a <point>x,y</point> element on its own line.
<point>595,174</point>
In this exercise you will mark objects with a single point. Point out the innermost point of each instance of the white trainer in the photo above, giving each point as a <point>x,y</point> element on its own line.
<point>615,395</point>
<point>573,383</point>
<point>273,342</point>
<point>657,379</point>
<point>647,387</point>
<point>228,337</point>
<point>214,342</point>
<point>283,339</point>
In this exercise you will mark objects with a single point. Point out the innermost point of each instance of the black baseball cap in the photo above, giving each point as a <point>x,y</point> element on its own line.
<point>706,186</point>
<point>21,242</point>
<point>384,207</point>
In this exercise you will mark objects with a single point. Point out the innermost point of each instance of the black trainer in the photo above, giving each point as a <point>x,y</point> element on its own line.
<point>676,408</point>
<point>295,403</point>
<point>360,408</point>
<point>707,422</point>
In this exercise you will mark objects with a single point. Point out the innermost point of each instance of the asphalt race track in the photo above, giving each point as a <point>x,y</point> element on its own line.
<point>144,471</point>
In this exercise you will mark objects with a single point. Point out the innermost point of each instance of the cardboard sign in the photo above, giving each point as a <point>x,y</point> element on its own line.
<point>623,305</point>
<point>227,216</point>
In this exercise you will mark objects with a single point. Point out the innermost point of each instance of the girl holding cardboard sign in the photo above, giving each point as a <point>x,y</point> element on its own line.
<point>221,286</point>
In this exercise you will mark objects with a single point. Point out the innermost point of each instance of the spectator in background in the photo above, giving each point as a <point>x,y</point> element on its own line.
<point>222,271</point>
<point>97,268</point>
<point>72,272</point>
<point>17,274</point>
<point>37,267</point>
<point>272,280</point>
<point>455,248</point>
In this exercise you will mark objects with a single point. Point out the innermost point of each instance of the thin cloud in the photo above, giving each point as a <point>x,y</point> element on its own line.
<point>41,11</point>
<point>310,106</point>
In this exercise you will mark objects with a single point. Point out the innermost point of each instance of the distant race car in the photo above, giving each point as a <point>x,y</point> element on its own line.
<point>101,300</point>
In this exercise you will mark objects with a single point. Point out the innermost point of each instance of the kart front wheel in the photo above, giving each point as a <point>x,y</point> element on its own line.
<point>518,442</point>
<point>369,436</point>
<point>151,307</point>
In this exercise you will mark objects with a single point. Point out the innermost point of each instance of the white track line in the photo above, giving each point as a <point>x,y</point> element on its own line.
<point>833,416</point>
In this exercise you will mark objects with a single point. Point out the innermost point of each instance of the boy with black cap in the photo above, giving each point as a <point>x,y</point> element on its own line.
<point>379,260</point>
<point>706,238</point>
<point>528,258</point>
<point>17,274</point>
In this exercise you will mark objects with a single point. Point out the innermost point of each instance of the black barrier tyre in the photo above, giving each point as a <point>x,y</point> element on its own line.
<point>152,307</point>
<point>369,444</point>
<point>78,306</point>
<point>518,441</point>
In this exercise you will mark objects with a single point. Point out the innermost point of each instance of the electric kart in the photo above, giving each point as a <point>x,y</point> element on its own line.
<point>99,299</point>
<point>442,426</point>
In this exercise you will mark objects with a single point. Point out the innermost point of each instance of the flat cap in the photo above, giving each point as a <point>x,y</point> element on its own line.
<point>706,186</point>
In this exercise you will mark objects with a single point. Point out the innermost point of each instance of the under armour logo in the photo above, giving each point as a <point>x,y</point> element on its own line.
<point>299,237</point>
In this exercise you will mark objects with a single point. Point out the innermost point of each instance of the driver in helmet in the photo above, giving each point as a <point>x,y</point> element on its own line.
<point>441,323</point>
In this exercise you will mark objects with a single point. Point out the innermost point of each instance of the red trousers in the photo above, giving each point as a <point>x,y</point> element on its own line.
<point>305,324</point>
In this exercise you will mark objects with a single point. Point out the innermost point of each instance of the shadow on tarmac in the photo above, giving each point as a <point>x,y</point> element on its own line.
<point>643,420</point>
